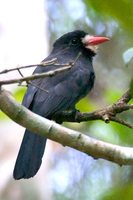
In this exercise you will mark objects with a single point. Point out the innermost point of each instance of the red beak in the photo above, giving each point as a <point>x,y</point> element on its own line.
<point>94,40</point>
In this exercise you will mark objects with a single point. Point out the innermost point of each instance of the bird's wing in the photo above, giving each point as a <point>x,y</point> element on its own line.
<point>33,87</point>
<point>29,96</point>
<point>63,91</point>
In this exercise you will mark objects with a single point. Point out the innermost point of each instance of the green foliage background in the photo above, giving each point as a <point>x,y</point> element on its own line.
<point>120,10</point>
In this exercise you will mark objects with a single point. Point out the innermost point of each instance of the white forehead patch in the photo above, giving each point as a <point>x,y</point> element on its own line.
<point>85,40</point>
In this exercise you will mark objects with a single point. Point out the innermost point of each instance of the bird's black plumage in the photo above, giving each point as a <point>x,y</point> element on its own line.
<point>49,95</point>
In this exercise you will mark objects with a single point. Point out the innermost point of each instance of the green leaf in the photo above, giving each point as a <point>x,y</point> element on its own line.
<point>122,192</point>
<point>131,88</point>
<point>3,116</point>
<point>19,93</point>
<point>111,95</point>
<point>120,11</point>
<point>128,56</point>
<point>85,105</point>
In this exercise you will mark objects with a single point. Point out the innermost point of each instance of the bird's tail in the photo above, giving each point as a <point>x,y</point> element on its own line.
<point>30,156</point>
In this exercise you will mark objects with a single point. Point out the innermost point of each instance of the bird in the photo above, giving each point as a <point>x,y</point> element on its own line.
<point>50,95</point>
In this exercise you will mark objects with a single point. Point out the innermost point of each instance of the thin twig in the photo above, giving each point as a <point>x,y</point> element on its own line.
<point>43,64</point>
<point>126,97</point>
<point>35,76</point>
<point>120,121</point>
<point>62,67</point>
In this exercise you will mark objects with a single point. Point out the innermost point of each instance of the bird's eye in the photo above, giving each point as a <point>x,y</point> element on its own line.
<point>74,41</point>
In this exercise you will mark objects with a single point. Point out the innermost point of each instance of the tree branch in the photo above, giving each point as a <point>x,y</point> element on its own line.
<point>42,64</point>
<point>53,62</point>
<point>106,114</point>
<point>36,76</point>
<point>67,137</point>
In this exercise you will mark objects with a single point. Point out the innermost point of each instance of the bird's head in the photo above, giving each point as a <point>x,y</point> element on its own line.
<point>79,40</point>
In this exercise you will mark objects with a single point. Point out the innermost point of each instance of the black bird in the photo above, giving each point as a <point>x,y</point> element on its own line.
<point>46,96</point>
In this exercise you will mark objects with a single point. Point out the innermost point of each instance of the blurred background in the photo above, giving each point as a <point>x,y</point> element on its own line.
<point>28,29</point>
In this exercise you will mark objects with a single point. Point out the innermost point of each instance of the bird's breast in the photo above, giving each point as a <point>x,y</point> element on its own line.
<point>85,83</point>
